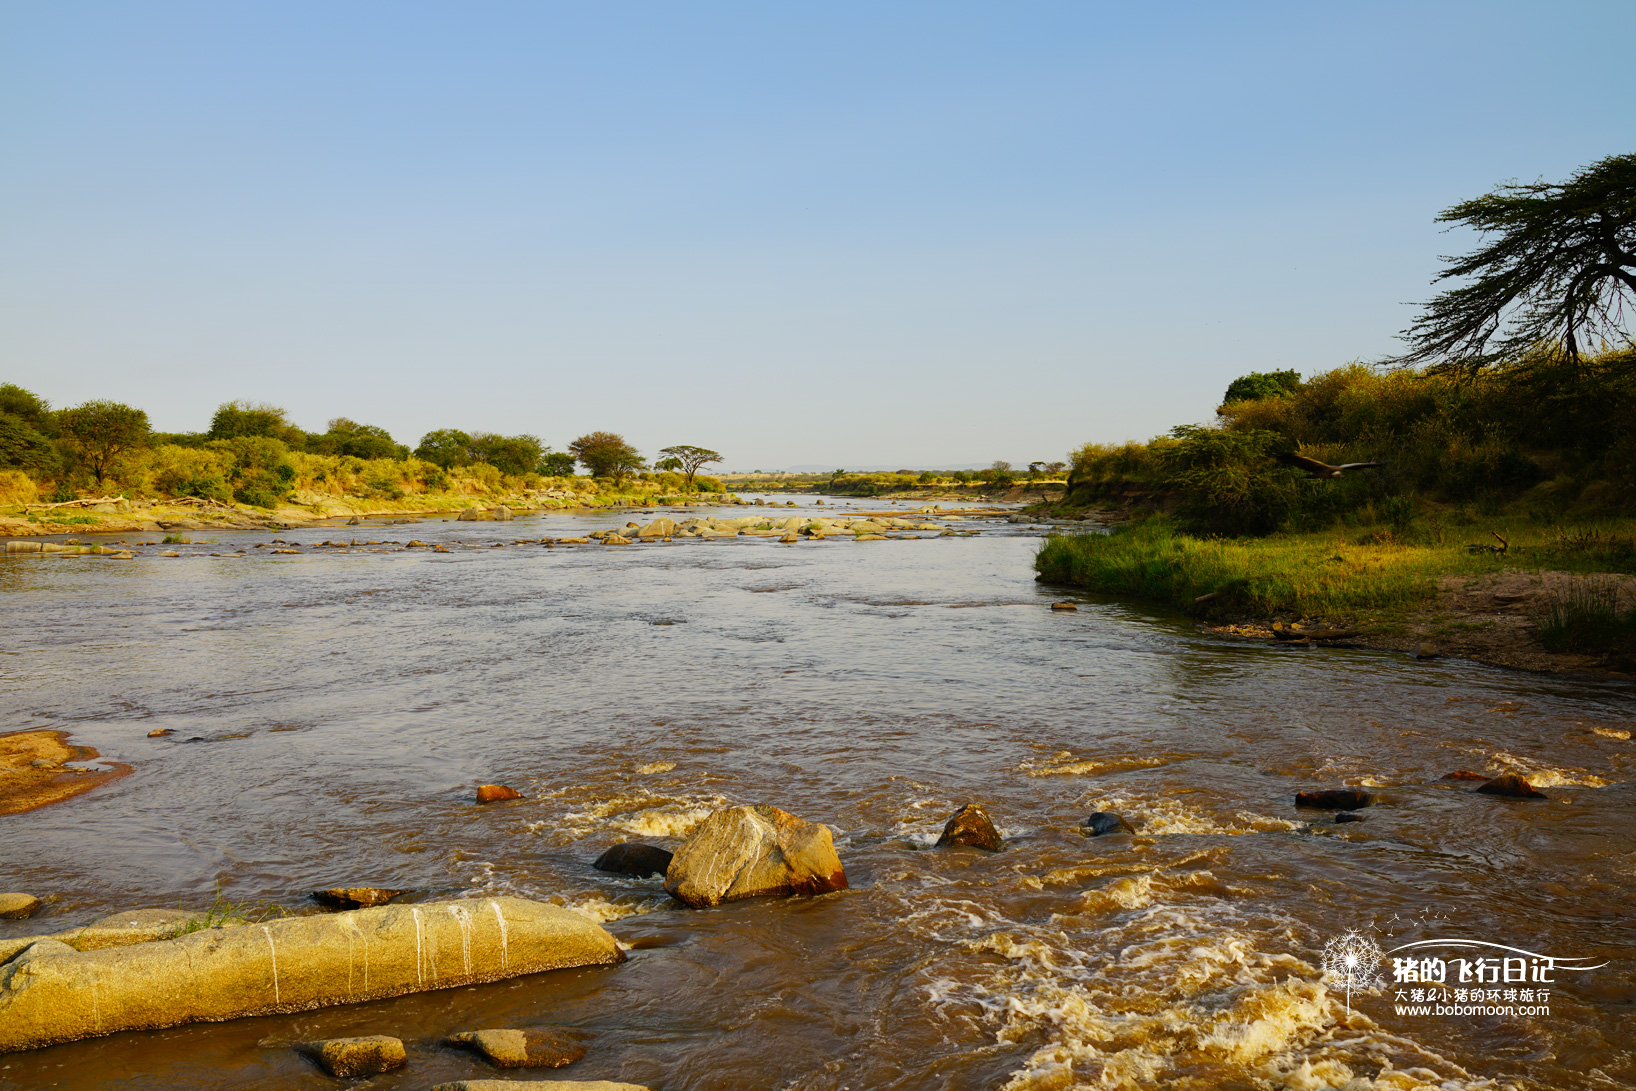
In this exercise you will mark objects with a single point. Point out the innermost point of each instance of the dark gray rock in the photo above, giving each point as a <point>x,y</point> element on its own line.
<point>1098,823</point>
<point>635,860</point>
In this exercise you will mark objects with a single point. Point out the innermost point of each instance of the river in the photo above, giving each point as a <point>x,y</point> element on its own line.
<point>334,711</point>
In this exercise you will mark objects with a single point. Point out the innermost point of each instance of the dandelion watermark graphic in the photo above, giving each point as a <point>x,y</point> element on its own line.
<point>1353,960</point>
<point>1450,976</point>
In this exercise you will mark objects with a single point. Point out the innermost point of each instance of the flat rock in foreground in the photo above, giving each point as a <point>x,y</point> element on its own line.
<point>51,993</point>
<point>753,852</point>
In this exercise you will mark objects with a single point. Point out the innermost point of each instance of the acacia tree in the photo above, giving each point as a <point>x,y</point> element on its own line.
<point>606,454</point>
<point>690,459</point>
<point>101,431</point>
<point>1558,266</point>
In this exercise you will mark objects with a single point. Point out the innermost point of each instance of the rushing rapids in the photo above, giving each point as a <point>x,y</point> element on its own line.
<point>332,713</point>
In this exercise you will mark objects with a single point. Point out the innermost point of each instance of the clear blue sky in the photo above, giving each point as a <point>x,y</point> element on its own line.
<point>840,233</point>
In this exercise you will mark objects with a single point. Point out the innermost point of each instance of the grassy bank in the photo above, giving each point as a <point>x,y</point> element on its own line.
<point>1373,576</point>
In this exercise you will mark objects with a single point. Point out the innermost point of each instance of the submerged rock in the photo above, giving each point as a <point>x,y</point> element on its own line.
<point>1349,816</point>
<point>354,897</point>
<point>752,852</point>
<point>633,859</point>
<point>970,825</point>
<point>1098,823</point>
<point>1335,799</point>
<point>1064,606</point>
<point>289,965</point>
<point>1464,774</point>
<point>1513,786</point>
<point>348,1057</point>
<point>527,1047</point>
<point>495,793</point>
<point>16,907</point>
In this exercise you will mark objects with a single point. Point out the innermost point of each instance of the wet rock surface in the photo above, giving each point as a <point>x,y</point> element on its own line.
<point>1098,823</point>
<point>18,907</point>
<point>753,852</point>
<point>354,897</point>
<point>350,1057</point>
<point>525,1047</point>
<point>638,861</point>
<point>971,826</point>
<point>496,793</point>
<point>1511,786</point>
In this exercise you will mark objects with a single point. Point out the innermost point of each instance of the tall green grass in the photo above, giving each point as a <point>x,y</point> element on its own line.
<point>1586,617</point>
<point>1309,574</point>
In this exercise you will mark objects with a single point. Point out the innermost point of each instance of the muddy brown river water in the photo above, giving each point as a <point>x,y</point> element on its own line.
<point>334,711</point>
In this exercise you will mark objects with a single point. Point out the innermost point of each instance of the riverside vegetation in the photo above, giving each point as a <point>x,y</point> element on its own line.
<point>1524,469</point>
<point>76,469</point>
<point>1495,446</point>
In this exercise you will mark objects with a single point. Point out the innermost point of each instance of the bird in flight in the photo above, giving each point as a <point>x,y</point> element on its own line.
<point>1322,469</point>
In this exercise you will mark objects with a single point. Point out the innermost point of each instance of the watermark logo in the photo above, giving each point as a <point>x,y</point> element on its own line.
<point>1476,978</point>
<point>1353,960</point>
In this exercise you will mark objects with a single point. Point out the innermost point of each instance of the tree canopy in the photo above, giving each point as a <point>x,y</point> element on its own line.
<point>348,437</point>
<point>606,454</point>
<point>236,419</point>
<point>1261,384</point>
<point>690,459</point>
<point>1557,266</point>
<point>101,431</point>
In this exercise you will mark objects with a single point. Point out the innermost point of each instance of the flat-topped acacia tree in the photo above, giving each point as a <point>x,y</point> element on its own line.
<point>1557,267</point>
<point>690,460</point>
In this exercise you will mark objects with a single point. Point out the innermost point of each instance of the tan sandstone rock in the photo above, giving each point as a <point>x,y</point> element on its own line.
<point>751,852</point>
<point>349,1057</point>
<point>288,965</point>
<point>524,1047</point>
<point>16,907</point>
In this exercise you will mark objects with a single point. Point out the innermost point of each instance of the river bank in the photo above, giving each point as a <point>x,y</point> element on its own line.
<point>1531,597</point>
<point>119,515</point>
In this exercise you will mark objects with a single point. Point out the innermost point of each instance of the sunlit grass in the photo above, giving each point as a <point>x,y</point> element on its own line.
<point>1316,573</point>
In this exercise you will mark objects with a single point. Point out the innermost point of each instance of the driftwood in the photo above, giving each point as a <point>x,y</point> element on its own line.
<point>74,503</point>
<point>1481,547</point>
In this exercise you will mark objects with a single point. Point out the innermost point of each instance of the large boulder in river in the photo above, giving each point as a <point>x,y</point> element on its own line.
<point>635,860</point>
<point>470,515</point>
<point>659,528</point>
<point>503,514</point>
<point>970,825</point>
<point>1511,785</point>
<point>752,852</point>
<point>51,993</point>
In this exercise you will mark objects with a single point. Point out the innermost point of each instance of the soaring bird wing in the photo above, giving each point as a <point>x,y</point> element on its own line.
<point>1302,462</point>
<point>1358,465</point>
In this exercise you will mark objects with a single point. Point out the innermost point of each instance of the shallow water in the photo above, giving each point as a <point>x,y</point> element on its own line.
<point>334,711</point>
